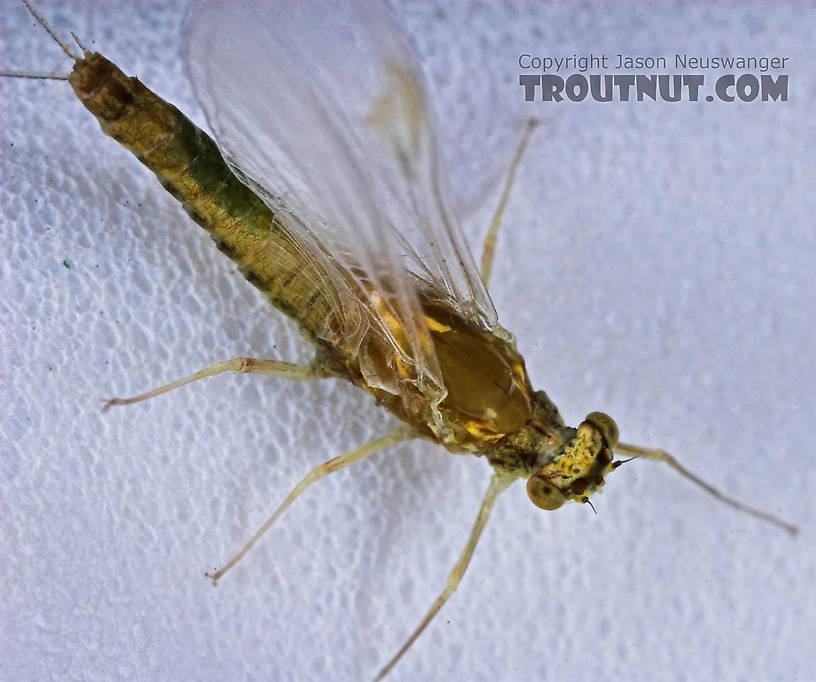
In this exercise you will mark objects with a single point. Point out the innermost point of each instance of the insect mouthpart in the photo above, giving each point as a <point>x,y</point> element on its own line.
<point>580,466</point>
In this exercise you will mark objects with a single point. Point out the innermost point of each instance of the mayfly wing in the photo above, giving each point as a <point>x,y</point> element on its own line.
<point>322,110</point>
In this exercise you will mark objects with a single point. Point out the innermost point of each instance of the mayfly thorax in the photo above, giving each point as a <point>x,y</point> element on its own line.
<point>382,284</point>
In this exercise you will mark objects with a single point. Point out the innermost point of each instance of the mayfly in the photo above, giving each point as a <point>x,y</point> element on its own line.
<point>327,189</point>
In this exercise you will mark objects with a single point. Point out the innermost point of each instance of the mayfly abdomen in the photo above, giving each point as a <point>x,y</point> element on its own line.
<point>189,165</point>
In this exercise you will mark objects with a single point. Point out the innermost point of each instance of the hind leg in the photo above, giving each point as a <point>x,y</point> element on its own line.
<point>239,365</point>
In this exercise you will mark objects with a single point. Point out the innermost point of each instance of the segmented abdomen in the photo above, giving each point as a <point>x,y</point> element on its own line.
<point>189,166</point>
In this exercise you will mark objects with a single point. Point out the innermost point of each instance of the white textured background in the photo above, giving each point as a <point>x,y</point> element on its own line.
<point>658,264</point>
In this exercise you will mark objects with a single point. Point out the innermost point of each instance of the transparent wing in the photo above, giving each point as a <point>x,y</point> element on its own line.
<point>320,107</point>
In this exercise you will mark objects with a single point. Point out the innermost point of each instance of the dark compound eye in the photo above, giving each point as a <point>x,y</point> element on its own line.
<point>578,486</point>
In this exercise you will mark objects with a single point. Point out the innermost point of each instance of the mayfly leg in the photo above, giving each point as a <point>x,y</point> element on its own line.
<point>663,456</point>
<point>489,248</point>
<point>239,365</point>
<point>335,464</point>
<point>498,483</point>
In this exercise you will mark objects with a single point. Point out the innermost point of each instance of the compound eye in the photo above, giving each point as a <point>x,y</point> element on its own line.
<point>606,425</point>
<point>544,494</point>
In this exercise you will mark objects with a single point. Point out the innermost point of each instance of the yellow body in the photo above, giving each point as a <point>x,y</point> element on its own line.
<point>490,408</point>
<point>487,406</point>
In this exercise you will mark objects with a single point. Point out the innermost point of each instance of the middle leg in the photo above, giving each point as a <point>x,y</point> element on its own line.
<point>335,464</point>
<point>489,248</point>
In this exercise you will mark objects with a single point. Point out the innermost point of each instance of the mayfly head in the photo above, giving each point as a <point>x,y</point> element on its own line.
<point>579,468</point>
